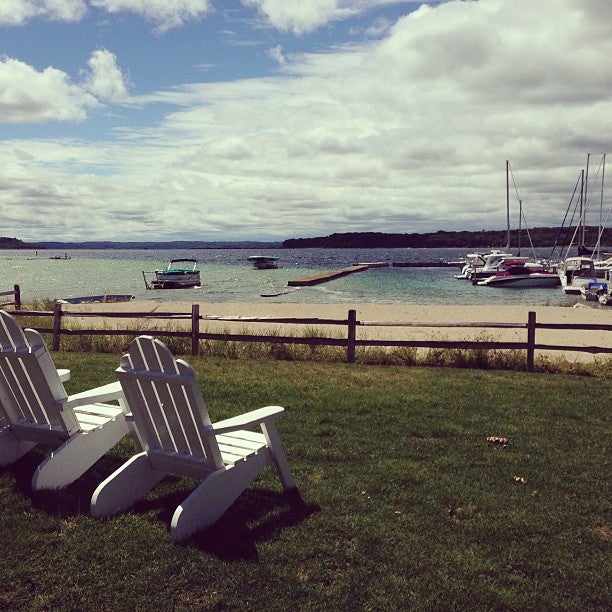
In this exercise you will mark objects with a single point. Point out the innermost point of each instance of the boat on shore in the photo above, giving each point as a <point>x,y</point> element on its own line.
<point>107,298</point>
<point>264,262</point>
<point>178,274</point>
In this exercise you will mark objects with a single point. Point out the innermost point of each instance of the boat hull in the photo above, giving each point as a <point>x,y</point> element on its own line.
<point>176,280</point>
<point>531,280</point>
<point>97,299</point>
<point>264,262</point>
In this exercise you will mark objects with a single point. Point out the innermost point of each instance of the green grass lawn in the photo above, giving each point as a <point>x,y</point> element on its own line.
<point>407,504</point>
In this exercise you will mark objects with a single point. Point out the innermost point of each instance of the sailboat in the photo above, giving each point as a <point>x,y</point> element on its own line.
<point>579,271</point>
<point>481,267</point>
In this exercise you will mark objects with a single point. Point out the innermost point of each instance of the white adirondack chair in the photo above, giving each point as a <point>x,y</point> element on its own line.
<point>35,409</point>
<point>177,437</point>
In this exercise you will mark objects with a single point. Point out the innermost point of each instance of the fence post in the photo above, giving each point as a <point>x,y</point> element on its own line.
<point>351,335</point>
<point>57,325</point>
<point>531,330</point>
<point>195,329</point>
<point>17,291</point>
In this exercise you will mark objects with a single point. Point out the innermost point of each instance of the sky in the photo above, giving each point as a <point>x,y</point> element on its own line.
<point>214,120</point>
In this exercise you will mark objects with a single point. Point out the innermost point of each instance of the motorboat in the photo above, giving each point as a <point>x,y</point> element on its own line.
<point>481,265</point>
<point>591,291</point>
<point>264,262</point>
<point>178,274</point>
<point>575,272</point>
<point>605,299</point>
<point>518,275</point>
<point>603,268</point>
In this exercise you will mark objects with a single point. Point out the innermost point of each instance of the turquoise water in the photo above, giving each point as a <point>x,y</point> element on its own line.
<point>227,276</point>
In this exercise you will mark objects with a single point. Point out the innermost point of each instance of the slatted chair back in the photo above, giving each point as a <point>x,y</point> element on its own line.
<point>167,406</point>
<point>31,392</point>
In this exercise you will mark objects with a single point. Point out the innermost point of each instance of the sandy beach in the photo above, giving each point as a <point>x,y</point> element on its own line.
<point>391,315</point>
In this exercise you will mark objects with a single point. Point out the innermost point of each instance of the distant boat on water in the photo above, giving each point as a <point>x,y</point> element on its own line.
<point>264,262</point>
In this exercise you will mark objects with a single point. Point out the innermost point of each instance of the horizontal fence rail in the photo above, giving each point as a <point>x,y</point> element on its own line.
<point>16,301</point>
<point>351,325</point>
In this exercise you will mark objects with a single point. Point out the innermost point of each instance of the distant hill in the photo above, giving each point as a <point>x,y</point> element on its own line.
<point>540,236</point>
<point>15,243</point>
<point>176,244</point>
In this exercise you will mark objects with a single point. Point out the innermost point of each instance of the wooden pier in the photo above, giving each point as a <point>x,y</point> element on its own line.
<point>324,277</point>
<point>428,264</point>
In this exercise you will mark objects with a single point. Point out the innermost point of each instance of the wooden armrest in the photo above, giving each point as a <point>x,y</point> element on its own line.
<point>248,419</point>
<point>63,374</point>
<point>105,393</point>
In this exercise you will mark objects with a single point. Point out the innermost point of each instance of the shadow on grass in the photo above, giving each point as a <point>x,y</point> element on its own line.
<point>257,515</point>
<point>64,503</point>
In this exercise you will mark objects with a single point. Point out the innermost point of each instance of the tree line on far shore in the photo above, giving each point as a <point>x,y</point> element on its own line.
<point>539,237</point>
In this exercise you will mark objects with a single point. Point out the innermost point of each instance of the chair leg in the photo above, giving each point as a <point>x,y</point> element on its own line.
<point>279,459</point>
<point>207,504</point>
<point>75,456</point>
<point>11,448</point>
<point>131,482</point>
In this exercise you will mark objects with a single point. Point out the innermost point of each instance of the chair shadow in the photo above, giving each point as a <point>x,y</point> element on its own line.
<point>257,515</point>
<point>231,538</point>
<point>71,501</point>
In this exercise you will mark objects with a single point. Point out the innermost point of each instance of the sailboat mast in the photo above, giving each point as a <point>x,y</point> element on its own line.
<point>586,199</point>
<point>507,206</point>
<point>520,227</point>
<point>581,216</point>
<point>601,225</point>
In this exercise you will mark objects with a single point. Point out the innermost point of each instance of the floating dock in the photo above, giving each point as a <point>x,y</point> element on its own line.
<point>324,277</point>
<point>428,264</point>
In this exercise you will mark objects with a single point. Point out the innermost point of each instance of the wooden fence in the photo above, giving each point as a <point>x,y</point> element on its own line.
<point>16,294</point>
<point>350,342</point>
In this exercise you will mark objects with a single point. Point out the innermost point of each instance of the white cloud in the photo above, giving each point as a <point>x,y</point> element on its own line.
<point>29,96</point>
<point>106,80</point>
<point>407,134</point>
<point>295,15</point>
<point>276,53</point>
<point>18,12</point>
<point>303,16</point>
<point>166,14</point>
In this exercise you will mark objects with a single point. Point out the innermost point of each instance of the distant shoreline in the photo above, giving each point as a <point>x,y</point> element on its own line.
<point>539,237</point>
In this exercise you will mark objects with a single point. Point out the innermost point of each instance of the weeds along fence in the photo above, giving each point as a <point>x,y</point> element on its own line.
<point>190,328</point>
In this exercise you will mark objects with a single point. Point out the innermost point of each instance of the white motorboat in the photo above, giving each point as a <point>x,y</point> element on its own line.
<point>517,275</point>
<point>178,274</point>
<point>481,265</point>
<point>603,268</point>
<point>575,272</point>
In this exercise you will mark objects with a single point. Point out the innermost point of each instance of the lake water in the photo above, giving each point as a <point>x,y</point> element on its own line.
<point>227,276</point>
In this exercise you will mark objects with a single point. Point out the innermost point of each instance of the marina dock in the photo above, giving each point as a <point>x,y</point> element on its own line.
<point>428,264</point>
<point>324,277</point>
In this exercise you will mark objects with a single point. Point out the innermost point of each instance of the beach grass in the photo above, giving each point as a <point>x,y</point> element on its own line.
<point>277,349</point>
<point>424,488</point>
